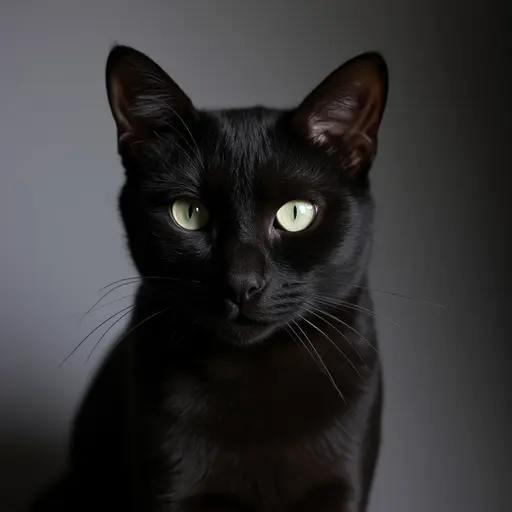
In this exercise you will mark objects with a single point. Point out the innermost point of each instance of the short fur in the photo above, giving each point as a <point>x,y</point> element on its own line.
<point>249,377</point>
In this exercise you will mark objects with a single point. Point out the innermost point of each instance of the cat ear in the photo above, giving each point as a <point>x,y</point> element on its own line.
<point>142,97</point>
<point>344,112</point>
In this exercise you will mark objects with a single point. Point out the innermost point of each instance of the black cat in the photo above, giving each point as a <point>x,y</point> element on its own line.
<point>249,377</point>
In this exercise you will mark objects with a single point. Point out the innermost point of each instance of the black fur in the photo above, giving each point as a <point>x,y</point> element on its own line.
<point>215,399</point>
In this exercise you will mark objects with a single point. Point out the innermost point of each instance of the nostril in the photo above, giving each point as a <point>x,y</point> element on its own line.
<point>253,289</point>
<point>244,289</point>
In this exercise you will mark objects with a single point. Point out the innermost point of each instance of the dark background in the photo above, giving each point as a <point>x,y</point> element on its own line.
<point>442,183</point>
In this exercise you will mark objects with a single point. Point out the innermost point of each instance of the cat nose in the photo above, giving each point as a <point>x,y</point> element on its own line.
<point>243,288</point>
<point>245,270</point>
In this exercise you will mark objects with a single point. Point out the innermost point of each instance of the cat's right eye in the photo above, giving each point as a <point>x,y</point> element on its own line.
<point>189,214</point>
<point>296,215</point>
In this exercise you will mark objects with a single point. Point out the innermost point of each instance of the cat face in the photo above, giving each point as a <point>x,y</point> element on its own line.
<point>242,219</point>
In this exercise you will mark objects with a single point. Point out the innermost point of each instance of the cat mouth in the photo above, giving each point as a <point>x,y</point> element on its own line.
<point>244,326</point>
<point>244,320</point>
<point>244,330</point>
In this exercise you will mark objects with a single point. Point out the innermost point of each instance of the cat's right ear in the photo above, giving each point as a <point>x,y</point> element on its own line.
<point>343,114</point>
<point>142,96</point>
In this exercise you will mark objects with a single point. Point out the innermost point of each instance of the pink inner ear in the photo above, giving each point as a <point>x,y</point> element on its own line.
<point>320,131</point>
<point>347,121</point>
<point>331,120</point>
<point>346,128</point>
<point>343,113</point>
<point>355,146</point>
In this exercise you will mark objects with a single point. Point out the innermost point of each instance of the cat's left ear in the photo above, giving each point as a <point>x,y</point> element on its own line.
<point>343,114</point>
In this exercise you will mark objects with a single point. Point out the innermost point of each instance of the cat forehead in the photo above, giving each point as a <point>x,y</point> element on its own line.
<point>246,136</point>
<point>242,154</point>
<point>251,160</point>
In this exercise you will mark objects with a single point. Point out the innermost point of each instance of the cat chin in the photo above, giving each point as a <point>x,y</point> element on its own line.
<point>244,335</point>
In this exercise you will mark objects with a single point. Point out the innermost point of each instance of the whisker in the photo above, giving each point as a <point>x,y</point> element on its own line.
<point>101,298</point>
<point>126,281</point>
<point>337,348</point>
<point>124,315</point>
<point>295,337</point>
<point>319,366</point>
<point>339,332</point>
<point>322,312</point>
<point>328,301</point>
<point>400,296</point>
<point>386,292</point>
<point>133,279</point>
<point>108,304</point>
<point>93,331</point>
<point>321,361</point>
<point>142,322</point>
<point>141,278</point>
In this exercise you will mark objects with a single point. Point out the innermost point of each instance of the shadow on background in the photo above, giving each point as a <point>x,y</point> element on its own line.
<point>28,463</point>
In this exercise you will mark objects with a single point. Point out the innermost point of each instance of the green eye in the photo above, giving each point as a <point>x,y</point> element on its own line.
<point>296,215</point>
<point>189,214</point>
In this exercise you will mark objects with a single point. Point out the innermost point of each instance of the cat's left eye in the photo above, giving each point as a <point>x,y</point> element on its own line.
<point>296,215</point>
<point>189,214</point>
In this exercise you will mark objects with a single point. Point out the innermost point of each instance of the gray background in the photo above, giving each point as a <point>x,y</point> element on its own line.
<point>442,183</point>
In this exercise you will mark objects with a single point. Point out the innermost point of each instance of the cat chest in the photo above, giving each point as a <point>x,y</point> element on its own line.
<point>273,472</point>
<point>262,409</point>
<point>272,442</point>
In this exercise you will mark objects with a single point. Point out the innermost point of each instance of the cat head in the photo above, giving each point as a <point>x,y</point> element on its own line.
<point>243,219</point>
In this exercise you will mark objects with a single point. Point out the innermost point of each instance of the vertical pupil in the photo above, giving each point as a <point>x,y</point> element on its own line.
<point>190,211</point>
<point>294,211</point>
